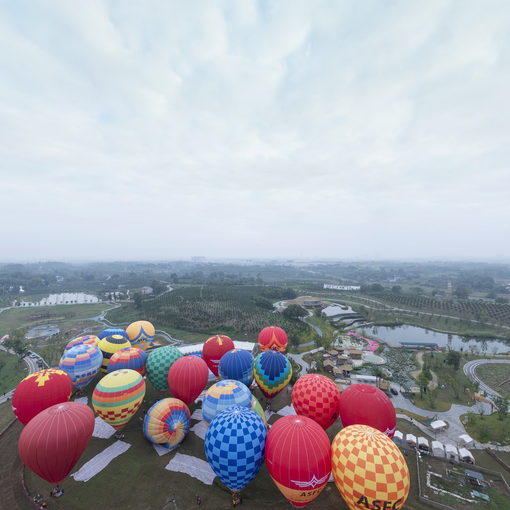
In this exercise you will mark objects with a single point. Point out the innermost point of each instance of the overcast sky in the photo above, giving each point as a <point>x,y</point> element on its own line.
<point>298,129</point>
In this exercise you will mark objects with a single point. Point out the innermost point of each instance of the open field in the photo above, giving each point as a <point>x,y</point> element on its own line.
<point>12,370</point>
<point>6,414</point>
<point>488,428</point>
<point>493,375</point>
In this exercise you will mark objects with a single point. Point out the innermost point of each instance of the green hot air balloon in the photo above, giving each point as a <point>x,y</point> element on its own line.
<point>158,364</point>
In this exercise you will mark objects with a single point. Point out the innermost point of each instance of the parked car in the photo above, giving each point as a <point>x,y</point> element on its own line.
<point>394,391</point>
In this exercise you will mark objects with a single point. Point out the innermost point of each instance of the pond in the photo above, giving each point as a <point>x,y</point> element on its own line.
<point>64,298</point>
<point>394,335</point>
<point>42,330</point>
<point>333,310</point>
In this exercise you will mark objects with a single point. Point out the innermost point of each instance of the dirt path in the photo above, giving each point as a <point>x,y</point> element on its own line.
<point>419,359</point>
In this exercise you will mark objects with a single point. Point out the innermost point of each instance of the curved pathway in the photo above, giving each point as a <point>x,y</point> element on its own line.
<point>470,371</point>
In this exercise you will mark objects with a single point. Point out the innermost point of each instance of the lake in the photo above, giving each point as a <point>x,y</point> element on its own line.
<point>42,330</point>
<point>64,298</point>
<point>405,333</point>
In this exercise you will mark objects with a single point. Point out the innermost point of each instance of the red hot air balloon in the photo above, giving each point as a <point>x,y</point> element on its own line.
<point>214,348</point>
<point>187,378</point>
<point>40,390</point>
<point>362,404</point>
<point>273,338</point>
<point>317,397</point>
<point>298,457</point>
<point>53,441</point>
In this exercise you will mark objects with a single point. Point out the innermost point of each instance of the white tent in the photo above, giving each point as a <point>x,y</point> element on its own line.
<point>398,436</point>
<point>423,444</point>
<point>466,456</point>
<point>411,439</point>
<point>451,452</point>
<point>438,425</point>
<point>465,439</point>
<point>437,449</point>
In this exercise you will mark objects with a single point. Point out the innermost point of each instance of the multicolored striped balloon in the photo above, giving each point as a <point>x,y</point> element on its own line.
<point>131,357</point>
<point>112,331</point>
<point>118,396</point>
<point>167,422</point>
<point>225,394</point>
<point>110,345</point>
<point>82,363</point>
<point>85,339</point>
<point>158,365</point>
<point>238,365</point>
<point>272,371</point>
<point>141,334</point>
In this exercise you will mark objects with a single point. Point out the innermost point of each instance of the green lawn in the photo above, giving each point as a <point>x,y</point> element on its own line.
<point>488,429</point>
<point>493,375</point>
<point>11,371</point>
<point>6,414</point>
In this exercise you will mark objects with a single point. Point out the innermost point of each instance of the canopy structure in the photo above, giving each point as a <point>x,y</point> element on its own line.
<point>411,439</point>
<point>451,452</point>
<point>423,444</point>
<point>437,449</point>
<point>466,456</point>
<point>398,436</point>
<point>465,439</point>
<point>438,425</point>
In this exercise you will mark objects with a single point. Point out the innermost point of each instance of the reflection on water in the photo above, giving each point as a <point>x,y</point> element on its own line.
<point>42,330</point>
<point>393,335</point>
<point>64,298</point>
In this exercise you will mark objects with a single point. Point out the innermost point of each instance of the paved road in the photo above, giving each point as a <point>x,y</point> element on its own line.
<point>470,371</point>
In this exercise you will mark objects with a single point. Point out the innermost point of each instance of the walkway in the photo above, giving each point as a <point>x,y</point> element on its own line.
<point>470,371</point>
<point>419,359</point>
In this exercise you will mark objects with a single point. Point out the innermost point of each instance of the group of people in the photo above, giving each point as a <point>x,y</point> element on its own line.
<point>57,491</point>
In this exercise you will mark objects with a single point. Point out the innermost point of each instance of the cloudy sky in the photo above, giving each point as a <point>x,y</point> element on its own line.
<point>167,129</point>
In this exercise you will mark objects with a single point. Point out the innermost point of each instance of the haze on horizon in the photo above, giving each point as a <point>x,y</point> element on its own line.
<point>302,130</point>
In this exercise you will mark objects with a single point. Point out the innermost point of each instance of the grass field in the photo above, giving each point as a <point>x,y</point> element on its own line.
<point>488,429</point>
<point>6,414</point>
<point>493,375</point>
<point>11,371</point>
<point>65,314</point>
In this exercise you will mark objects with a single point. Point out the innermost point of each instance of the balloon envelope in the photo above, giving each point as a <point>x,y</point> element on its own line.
<point>237,364</point>
<point>112,331</point>
<point>85,339</point>
<point>158,365</point>
<point>82,363</point>
<point>110,345</point>
<point>40,390</point>
<point>167,422</point>
<point>53,441</point>
<point>255,406</point>
<point>367,405</point>
<point>131,357</point>
<point>234,446</point>
<point>141,334</point>
<point>272,371</point>
<point>298,458</point>
<point>273,338</point>
<point>225,394</point>
<point>118,396</point>
<point>214,348</point>
<point>367,468</point>
<point>187,378</point>
<point>317,397</point>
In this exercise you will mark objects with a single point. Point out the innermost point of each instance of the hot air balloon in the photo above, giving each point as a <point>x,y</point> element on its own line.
<point>131,357</point>
<point>234,446</point>
<point>237,364</point>
<point>79,340</point>
<point>118,396</point>
<point>368,469</point>
<point>272,371</point>
<point>224,394</point>
<point>187,378</point>
<point>112,331</point>
<point>158,365</point>
<point>141,334</point>
<point>53,441</point>
<point>40,390</point>
<point>367,405</point>
<point>110,345</point>
<point>298,458</point>
<point>273,338</point>
<point>255,406</point>
<point>214,348</point>
<point>317,397</point>
<point>82,363</point>
<point>167,422</point>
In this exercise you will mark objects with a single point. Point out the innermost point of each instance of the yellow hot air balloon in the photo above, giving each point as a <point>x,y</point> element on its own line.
<point>369,470</point>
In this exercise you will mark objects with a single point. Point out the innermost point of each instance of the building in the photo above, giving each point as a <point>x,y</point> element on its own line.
<point>312,304</point>
<point>384,385</point>
<point>147,290</point>
<point>341,287</point>
<point>355,353</point>
<point>329,366</point>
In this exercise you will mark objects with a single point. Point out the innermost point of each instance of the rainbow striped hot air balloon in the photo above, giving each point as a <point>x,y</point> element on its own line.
<point>85,339</point>
<point>224,394</point>
<point>110,345</point>
<point>167,422</point>
<point>82,363</point>
<point>118,396</point>
<point>272,371</point>
<point>141,334</point>
<point>131,357</point>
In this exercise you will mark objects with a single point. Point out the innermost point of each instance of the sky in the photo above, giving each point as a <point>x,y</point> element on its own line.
<point>261,129</point>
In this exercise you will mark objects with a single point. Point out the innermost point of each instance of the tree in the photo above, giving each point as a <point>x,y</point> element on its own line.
<point>462,292</point>
<point>294,312</point>
<point>138,300</point>
<point>502,407</point>
<point>396,289</point>
<point>453,359</point>
<point>16,342</point>
<point>317,312</point>
<point>423,382</point>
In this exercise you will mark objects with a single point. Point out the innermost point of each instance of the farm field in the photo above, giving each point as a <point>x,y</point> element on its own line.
<point>494,375</point>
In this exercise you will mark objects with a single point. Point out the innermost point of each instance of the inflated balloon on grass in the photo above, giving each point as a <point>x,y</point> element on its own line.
<point>273,338</point>
<point>225,394</point>
<point>110,345</point>
<point>187,378</point>
<point>131,357</point>
<point>213,350</point>
<point>141,334</point>
<point>82,363</point>
<point>158,365</point>
<point>272,371</point>
<point>237,364</point>
<point>85,339</point>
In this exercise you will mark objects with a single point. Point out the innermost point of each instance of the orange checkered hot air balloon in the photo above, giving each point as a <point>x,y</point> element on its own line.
<point>273,338</point>
<point>369,470</point>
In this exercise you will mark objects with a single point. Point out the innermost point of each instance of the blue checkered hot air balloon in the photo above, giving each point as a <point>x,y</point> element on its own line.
<point>272,371</point>
<point>238,365</point>
<point>225,394</point>
<point>234,446</point>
